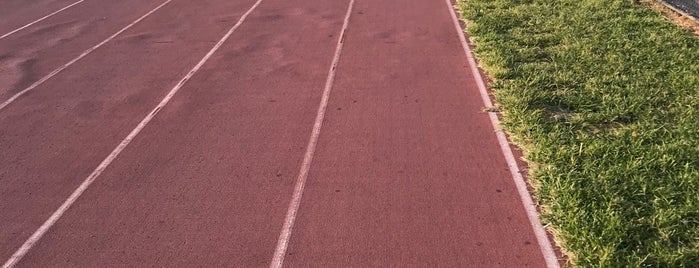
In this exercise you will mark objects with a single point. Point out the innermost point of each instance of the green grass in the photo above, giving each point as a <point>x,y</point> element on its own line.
<point>603,96</point>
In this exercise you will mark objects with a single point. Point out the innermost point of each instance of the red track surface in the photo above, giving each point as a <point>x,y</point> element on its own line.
<point>17,13</point>
<point>407,170</point>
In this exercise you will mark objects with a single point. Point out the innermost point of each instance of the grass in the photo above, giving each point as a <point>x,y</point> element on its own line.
<point>603,97</point>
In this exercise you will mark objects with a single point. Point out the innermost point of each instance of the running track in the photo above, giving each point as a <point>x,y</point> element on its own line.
<point>252,133</point>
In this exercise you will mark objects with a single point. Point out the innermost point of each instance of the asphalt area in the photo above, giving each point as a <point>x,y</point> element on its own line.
<point>252,133</point>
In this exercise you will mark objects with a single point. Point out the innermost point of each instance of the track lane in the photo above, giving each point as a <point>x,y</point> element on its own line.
<point>30,55</point>
<point>408,172</point>
<point>17,13</point>
<point>294,203</point>
<point>53,138</point>
<point>207,182</point>
<point>40,19</point>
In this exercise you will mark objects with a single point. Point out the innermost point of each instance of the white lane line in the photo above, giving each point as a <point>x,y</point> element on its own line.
<point>40,19</point>
<point>85,53</point>
<point>17,256</point>
<point>285,234</point>
<point>525,197</point>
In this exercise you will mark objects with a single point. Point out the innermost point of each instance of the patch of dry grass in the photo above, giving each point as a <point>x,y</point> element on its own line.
<point>678,18</point>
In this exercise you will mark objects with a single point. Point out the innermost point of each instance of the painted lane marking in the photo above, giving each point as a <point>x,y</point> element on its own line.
<point>285,234</point>
<point>85,53</point>
<point>40,19</point>
<point>17,256</point>
<point>525,197</point>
